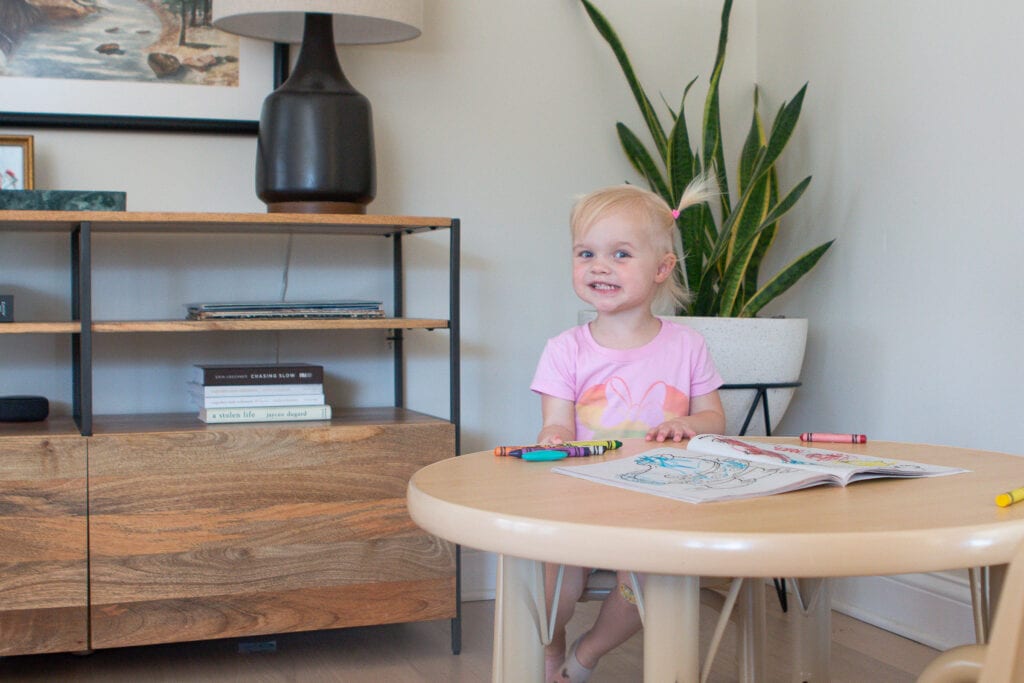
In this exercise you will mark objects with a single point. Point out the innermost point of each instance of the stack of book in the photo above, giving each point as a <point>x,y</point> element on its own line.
<point>270,392</point>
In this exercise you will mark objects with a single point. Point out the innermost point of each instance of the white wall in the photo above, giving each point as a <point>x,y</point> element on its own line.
<point>909,128</point>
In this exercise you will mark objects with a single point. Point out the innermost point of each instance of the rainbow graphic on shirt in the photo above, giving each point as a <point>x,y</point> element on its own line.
<point>610,410</point>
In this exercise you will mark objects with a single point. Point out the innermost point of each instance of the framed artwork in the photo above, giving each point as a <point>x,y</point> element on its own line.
<point>155,66</point>
<point>16,162</point>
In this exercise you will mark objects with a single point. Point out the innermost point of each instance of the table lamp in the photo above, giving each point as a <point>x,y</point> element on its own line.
<point>315,150</point>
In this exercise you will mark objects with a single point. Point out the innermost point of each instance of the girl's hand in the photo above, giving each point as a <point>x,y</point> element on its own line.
<point>550,437</point>
<point>675,430</point>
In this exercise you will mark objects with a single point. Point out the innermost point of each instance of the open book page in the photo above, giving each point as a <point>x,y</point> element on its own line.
<point>844,466</point>
<point>730,473</point>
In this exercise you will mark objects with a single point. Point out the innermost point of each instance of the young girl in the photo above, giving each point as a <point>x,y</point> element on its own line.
<point>626,374</point>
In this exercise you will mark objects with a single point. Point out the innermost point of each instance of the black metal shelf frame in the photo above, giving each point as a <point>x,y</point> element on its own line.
<point>397,339</point>
<point>81,350</point>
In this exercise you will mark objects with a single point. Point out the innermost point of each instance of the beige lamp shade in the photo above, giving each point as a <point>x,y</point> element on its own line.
<point>355,21</point>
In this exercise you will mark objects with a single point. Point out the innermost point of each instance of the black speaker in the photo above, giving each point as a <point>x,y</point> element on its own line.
<point>23,408</point>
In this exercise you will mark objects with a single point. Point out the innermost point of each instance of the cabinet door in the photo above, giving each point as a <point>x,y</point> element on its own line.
<point>43,574</point>
<point>239,530</point>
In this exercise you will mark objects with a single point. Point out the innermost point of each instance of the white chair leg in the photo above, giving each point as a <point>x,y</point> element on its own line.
<point>977,577</point>
<point>723,620</point>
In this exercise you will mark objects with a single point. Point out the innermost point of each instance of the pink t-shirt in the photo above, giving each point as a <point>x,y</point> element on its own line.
<point>623,393</point>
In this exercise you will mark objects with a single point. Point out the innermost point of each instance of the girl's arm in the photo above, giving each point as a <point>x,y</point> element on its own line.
<point>706,417</point>
<point>559,418</point>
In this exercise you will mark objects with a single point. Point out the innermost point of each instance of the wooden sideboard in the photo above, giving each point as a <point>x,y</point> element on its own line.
<point>124,530</point>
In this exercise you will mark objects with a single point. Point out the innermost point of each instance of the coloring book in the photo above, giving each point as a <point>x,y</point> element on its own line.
<point>714,468</point>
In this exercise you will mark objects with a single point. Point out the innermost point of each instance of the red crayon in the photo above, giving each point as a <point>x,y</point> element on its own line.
<point>825,437</point>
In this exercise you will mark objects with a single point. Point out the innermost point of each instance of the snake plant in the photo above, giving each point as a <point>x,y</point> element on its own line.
<point>723,250</point>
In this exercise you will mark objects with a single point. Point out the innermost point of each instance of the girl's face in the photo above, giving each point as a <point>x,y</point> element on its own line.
<point>615,266</point>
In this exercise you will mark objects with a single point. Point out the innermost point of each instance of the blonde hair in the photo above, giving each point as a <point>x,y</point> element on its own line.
<point>651,211</point>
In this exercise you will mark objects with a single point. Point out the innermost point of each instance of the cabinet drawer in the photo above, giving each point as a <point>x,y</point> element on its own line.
<point>43,571</point>
<point>247,529</point>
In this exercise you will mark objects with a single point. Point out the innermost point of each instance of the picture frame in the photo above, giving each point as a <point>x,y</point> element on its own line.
<point>155,106</point>
<point>16,162</point>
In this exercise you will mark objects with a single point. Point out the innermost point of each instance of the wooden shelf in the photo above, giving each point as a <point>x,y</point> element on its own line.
<point>157,527</point>
<point>166,222</point>
<point>119,326</point>
<point>68,327</point>
<point>154,423</point>
<point>60,425</point>
<point>294,325</point>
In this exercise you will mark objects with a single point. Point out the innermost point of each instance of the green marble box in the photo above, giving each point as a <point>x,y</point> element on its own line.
<point>62,200</point>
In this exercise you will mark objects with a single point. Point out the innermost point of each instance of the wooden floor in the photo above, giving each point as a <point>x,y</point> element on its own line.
<point>421,652</point>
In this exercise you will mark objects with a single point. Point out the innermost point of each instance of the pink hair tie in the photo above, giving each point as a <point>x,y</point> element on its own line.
<point>675,213</point>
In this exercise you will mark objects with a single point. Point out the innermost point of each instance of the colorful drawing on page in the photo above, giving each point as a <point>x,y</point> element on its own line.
<point>799,455</point>
<point>662,469</point>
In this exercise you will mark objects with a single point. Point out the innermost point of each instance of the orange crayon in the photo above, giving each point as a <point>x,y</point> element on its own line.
<point>504,450</point>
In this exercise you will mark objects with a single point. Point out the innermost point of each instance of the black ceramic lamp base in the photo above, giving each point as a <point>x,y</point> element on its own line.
<point>315,151</point>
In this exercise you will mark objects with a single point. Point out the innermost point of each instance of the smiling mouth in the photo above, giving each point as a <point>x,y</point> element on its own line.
<point>603,286</point>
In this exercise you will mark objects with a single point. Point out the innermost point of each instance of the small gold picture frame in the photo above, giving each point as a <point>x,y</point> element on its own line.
<point>16,154</point>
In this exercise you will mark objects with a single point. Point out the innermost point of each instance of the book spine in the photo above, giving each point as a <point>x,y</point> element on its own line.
<point>249,401</point>
<point>201,391</point>
<point>265,414</point>
<point>306,374</point>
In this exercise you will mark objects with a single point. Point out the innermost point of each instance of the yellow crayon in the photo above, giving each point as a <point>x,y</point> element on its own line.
<point>1010,497</point>
<point>609,444</point>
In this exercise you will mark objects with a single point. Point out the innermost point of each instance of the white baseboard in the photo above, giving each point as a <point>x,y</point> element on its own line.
<point>934,609</point>
<point>478,572</point>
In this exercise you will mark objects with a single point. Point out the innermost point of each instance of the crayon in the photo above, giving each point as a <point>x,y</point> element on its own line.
<point>609,444</point>
<point>504,450</point>
<point>570,451</point>
<point>825,437</point>
<point>1010,497</point>
<point>544,455</point>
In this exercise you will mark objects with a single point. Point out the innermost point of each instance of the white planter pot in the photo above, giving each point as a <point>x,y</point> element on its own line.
<point>750,351</point>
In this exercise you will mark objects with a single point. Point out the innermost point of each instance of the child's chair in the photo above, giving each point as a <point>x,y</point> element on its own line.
<point>999,661</point>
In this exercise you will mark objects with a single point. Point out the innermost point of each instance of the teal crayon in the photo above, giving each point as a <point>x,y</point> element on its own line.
<point>545,455</point>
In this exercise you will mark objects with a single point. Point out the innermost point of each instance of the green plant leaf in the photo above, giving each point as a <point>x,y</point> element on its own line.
<point>785,279</point>
<point>643,102</point>
<point>642,160</point>
<point>783,126</point>
<point>747,222</point>
<point>681,163</point>
<point>787,203</point>
<point>755,140</point>
<point>764,239</point>
<point>713,148</point>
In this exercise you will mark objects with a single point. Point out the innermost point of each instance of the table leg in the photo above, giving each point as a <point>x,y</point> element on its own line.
<point>671,629</point>
<point>752,631</point>
<point>518,655</point>
<point>812,630</point>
